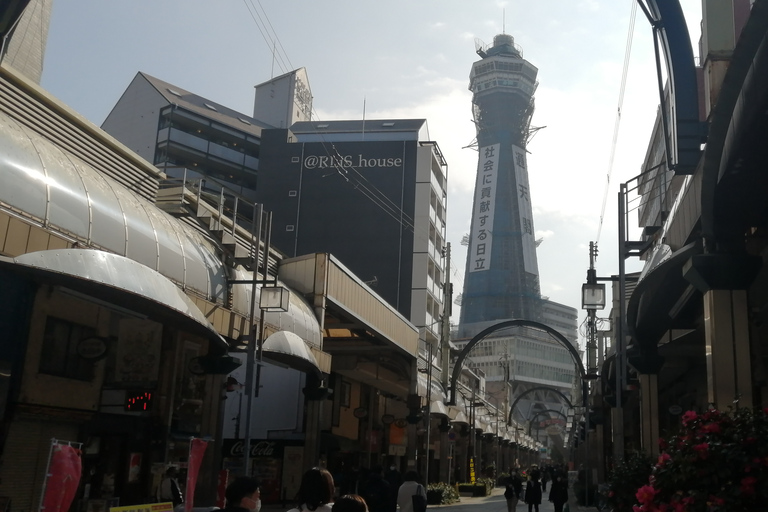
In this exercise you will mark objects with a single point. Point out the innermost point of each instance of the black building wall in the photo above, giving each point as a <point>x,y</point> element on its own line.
<point>354,200</point>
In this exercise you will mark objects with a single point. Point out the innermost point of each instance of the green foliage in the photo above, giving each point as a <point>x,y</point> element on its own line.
<point>625,479</point>
<point>441,494</point>
<point>717,462</point>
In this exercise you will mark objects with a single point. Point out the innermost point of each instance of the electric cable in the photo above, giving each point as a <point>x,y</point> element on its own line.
<point>617,122</point>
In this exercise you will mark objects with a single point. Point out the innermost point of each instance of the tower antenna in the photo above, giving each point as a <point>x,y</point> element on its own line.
<point>503,21</point>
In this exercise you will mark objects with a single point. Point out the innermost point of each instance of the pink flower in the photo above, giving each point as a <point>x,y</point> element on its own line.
<point>711,428</point>
<point>689,416</point>
<point>714,500</point>
<point>748,485</point>
<point>645,494</point>
<point>663,459</point>
<point>703,449</point>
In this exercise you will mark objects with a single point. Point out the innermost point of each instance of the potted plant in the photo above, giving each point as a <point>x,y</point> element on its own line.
<point>718,462</point>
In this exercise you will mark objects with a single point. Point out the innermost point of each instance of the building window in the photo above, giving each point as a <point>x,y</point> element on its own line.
<point>59,356</point>
<point>289,227</point>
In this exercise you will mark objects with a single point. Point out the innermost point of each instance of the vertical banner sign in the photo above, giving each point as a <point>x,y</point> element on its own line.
<point>64,469</point>
<point>472,470</point>
<point>196,452</point>
<point>526,211</point>
<point>482,215</point>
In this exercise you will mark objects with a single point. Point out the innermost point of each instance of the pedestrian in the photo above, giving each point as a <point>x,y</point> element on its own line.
<point>315,491</point>
<point>243,495</point>
<point>514,489</point>
<point>558,491</point>
<point>533,491</point>
<point>407,492</point>
<point>395,480</point>
<point>350,503</point>
<point>377,493</point>
<point>169,489</point>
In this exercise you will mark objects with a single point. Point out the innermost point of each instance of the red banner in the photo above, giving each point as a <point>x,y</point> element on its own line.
<point>196,452</point>
<point>221,488</point>
<point>63,478</point>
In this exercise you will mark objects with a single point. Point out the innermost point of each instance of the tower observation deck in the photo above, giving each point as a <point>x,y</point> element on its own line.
<point>502,275</point>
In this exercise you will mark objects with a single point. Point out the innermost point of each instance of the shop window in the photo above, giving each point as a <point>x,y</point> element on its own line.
<point>60,356</point>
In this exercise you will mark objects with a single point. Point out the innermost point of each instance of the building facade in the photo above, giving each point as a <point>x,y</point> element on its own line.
<point>374,194</point>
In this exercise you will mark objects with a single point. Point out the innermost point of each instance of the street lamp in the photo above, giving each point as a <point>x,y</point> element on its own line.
<point>272,298</point>
<point>592,299</point>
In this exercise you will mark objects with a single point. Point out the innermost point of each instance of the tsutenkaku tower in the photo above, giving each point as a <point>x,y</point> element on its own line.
<point>502,275</point>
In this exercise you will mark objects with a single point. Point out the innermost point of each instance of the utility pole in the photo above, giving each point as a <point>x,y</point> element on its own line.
<point>445,327</point>
<point>592,314</point>
<point>592,299</point>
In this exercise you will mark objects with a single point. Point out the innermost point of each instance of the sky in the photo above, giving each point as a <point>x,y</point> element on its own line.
<point>406,59</point>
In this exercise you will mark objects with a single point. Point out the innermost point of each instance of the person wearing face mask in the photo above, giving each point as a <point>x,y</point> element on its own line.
<point>243,495</point>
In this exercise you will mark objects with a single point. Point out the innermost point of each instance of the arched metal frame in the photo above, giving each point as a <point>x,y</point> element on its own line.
<point>544,412</point>
<point>518,323</point>
<point>537,388</point>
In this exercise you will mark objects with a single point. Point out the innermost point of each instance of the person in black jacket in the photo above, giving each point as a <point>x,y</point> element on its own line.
<point>533,491</point>
<point>558,492</point>
<point>514,488</point>
<point>377,493</point>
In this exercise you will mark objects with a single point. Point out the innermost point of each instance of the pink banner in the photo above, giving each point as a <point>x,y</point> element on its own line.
<point>63,478</point>
<point>196,452</point>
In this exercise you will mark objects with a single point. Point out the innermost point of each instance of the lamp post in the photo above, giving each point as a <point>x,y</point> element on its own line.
<point>271,298</point>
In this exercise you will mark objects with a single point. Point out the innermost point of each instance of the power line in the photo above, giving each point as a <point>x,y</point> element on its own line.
<point>622,88</point>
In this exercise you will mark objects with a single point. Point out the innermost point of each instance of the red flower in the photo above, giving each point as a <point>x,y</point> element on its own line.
<point>711,428</point>
<point>703,449</point>
<point>689,416</point>
<point>714,500</point>
<point>748,485</point>
<point>663,458</point>
<point>645,494</point>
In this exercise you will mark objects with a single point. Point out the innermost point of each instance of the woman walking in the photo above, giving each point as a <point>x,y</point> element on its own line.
<point>533,491</point>
<point>514,490</point>
<point>558,492</point>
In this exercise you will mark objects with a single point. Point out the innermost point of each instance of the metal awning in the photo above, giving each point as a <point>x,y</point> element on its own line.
<point>660,295</point>
<point>457,415</point>
<point>288,349</point>
<point>437,408</point>
<point>436,391</point>
<point>116,279</point>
